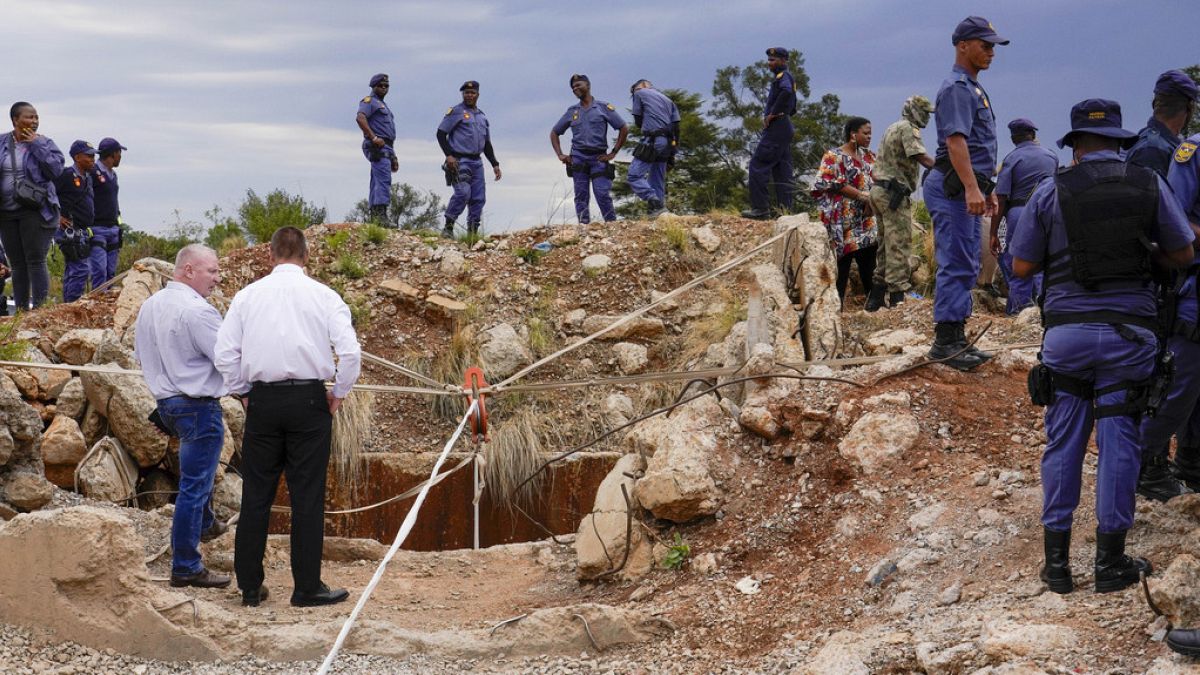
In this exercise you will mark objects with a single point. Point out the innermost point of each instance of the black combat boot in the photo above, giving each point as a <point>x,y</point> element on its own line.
<point>895,298</point>
<point>1057,572</point>
<point>1186,641</point>
<point>379,215</point>
<point>946,343</point>
<point>473,227</point>
<point>1156,481</point>
<point>448,230</point>
<point>756,214</point>
<point>1187,466</point>
<point>875,298</point>
<point>972,350</point>
<point>655,208</point>
<point>1114,569</point>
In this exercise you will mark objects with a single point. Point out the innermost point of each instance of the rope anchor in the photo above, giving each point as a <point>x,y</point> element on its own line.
<point>473,382</point>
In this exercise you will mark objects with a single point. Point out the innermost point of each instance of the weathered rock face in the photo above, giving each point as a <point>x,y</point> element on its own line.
<point>597,263</point>
<point>23,421</point>
<point>115,352</point>
<point>453,262</point>
<point>71,402</point>
<point>127,403</point>
<point>42,385</point>
<point>631,358</point>
<point>27,491</point>
<point>618,409</point>
<point>845,653</point>
<point>601,542</point>
<point>892,341</point>
<point>706,238</point>
<point>1175,590</point>
<point>62,449</point>
<point>505,352</point>
<point>678,484</point>
<point>78,346</point>
<point>227,495</point>
<point>93,426</point>
<point>1007,639</point>
<point>145,278</point>
<point>7,445</point>
<point>640,327</point>
<point>877,437</point>
<point>781,318</point>
<point>808,251</point>
<point>109,474</point>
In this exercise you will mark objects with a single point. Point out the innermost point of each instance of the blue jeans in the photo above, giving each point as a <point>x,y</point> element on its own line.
<point>201,431</point>
<point>956,247</point>
<point>1096,353</point>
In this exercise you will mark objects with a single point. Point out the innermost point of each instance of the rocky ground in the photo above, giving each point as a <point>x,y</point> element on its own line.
<point>888,525</point>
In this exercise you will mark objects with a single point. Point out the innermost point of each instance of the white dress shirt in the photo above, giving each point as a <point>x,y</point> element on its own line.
<point>287,326</point>
<point>174,340</point>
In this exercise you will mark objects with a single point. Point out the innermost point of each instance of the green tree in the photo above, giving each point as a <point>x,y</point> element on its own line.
<point>225,234</point>
<point>1193,126</point>
<point>259,217</point>
<point>739,95</point>
<point>409,208</point>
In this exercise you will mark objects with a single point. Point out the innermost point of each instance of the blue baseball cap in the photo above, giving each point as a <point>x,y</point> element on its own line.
<point>469,84</point>
<point>976,28</point>
<point>377,78</point>
<point>1021,125</point>
<point>579,78</point>
<point>1098,116</point>
<point>778,52</point>
<point>108,145</point>
<point>82,147</point>
<point>1176,83</point>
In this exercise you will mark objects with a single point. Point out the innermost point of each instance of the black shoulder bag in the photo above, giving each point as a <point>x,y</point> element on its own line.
<point>25,192</point>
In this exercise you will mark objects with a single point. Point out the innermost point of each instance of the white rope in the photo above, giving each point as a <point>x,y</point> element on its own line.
<point>409,521</point>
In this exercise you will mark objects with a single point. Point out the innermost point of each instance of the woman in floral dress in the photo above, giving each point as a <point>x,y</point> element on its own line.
<point>842,192</point>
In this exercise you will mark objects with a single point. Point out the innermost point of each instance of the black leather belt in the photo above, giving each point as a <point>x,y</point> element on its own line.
<point>463,155</point>
<point>191,398</point>
<point>288,383</point>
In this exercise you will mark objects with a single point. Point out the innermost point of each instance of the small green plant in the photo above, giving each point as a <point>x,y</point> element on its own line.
<point>676,236</point>
<point>529,255</point>
<point>360,311</point>
<point>541,335</point>
<point>348,265</point>
<point>374,233</point>
<point>470,238</point>
<point>677,553</point>
<point>338,240</point>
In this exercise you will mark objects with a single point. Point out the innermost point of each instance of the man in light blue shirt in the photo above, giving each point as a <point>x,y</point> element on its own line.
<point>176,336</point>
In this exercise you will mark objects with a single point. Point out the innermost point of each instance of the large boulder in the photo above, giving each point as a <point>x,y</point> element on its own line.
<point>71,401</point>
<point>639,327</point>
<point>62,450</point>
<point>504,352</point>
<point>877,437</point>
<point>93,425</point>
<point>126,403</point>
<point>27,491</point>
<point>781,318</point>
<point>39,384</point>
<point>807,252</point>
<point>145,278</point>
<point>108,473</point>
<point>78,346</point>
<point>678,484</point>
<point>706,238</point>
<point>892,341</point>
<point>1174,591</point>
<point>631,357</point>
<point>1004,639</point>
<point>7,445</point>
<point>114,352</point>
<point>227,495</point>
<point>22,420</point>
<point>600,545</point>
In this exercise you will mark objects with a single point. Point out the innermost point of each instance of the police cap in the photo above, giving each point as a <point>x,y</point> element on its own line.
<point>110,145</point>
<point>1176,83</point>
<point>976,28</point>
<point>778,52</point>
<point>1098,116</point>
<point>377,78</point>
<point>1021,125</point>
<point>82,147</point>
<point>469,84</point>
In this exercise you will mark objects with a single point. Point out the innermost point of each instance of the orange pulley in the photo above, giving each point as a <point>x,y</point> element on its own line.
<point>478,420</point>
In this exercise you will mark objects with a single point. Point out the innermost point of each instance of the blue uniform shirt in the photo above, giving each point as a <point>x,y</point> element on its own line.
<point>1023,168</point>
<point>1155,145</point>
<point>781,98</point>
<point>467,129</point>
<point>657,111</point>
<point>963,108</point>
<point>1041,231</point>
<point>589,126</point>
<point>104,187</point>
<point>75,197</point>
<point>1184,177</point>
<point>379,117</point>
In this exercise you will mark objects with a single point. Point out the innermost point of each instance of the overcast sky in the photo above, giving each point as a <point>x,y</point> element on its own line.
<point>216,97</point>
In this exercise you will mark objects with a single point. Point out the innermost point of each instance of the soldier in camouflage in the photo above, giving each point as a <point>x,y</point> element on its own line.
<point>897,165</point>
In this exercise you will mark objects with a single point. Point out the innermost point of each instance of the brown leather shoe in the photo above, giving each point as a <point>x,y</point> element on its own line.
<point>252,598</point>
<point>204,579</point>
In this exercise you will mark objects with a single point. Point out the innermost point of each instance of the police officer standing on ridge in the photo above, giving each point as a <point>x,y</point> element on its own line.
<point>78,210</point>
<point>379,135</point>
<point>588,163</point>
<point>958,187</point>
<point>106,231</point>
<point>772,160</point>
<point>657,117</point>
<point>900,156</point>
<point>1020,172</point>
<point>1174,105</point>
<point>463,135</point>
<point>1096,228</point>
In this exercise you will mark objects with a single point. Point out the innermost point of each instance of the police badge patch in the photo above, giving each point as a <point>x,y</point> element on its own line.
<point>1185,152</point>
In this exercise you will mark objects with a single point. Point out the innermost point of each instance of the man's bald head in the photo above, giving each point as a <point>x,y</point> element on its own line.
<point>196,266</point>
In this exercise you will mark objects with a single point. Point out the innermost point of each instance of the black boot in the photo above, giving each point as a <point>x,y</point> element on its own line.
<point>1114,569</point>
<point>1057,572</point>
<point>379,215</point>
<point>1186,641</point>
<point>1187,466</point>
<point>946,343</point>
<point>3,303</point>
<point>895,298</point>
<point>1156,481</point>
<point>448,230</point>
<point>472,228</point>
<point>655,208</point>
<point>756,214</point>
<point>875,298</point>
<point>961,328</point>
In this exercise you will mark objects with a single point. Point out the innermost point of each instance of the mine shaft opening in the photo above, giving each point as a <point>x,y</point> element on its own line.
<point>446,521</point>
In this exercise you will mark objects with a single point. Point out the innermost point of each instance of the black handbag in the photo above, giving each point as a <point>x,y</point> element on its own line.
<point>25,192</point>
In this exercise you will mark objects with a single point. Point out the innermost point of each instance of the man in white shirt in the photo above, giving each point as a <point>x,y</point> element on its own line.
<point>175,337</point>
<point>277,343</point>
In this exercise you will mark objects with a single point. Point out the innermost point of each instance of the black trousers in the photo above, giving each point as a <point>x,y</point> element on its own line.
<point>288,430</point>
<point>865,257</point>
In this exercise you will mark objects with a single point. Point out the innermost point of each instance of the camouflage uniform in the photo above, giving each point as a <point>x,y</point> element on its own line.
<point>897,161</point>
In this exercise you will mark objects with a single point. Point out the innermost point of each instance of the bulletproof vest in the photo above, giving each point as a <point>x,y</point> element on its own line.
<point>1108,208</point>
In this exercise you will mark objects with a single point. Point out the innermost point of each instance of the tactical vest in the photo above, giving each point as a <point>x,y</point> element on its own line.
<point>1108,208</point>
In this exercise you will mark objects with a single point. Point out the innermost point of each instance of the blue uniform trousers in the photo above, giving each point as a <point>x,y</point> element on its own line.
<point>1178,415</point>
<point>381,173</point>
<point>649,179</point>
<point>199,424</point>
<point>956,247</point>
<point>585,171</point>
<point>1021,292</point>
<point>1096,353</point>
<point>103,261</point>
<point>75,273</point>
<point>470,191</point>
<point>772,165</point>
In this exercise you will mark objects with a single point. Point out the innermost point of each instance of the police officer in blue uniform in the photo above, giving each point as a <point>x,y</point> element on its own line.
<point>958,189</point>
<point>106,230</point>
<point>1179,415</point>
<point>76,212</point>
<point>657,116</point>
<point>1174,105</point>
<point>588,163</point>
<point>1096,228</point>
<point>379,136</point>
<point>463,135</point>
<point>1020,172</point>
<point>771,163</point>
